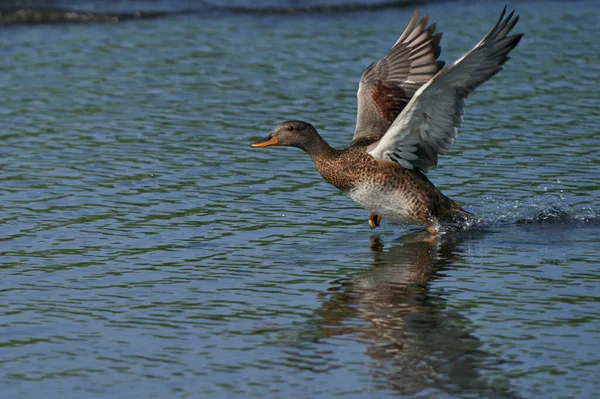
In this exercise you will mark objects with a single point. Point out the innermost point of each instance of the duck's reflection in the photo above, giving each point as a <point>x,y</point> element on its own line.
<point>415,343</point>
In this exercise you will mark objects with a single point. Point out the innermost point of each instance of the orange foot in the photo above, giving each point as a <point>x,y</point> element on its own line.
<point>374,220</point>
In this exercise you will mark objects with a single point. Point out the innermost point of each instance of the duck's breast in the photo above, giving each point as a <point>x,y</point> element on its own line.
<point>388,202</point>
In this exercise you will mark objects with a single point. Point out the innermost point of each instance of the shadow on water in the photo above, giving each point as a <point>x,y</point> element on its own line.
<point>417,344</point>
<point>414,342</point>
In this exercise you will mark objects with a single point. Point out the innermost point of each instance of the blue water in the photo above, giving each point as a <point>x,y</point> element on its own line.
<point>147,251</point>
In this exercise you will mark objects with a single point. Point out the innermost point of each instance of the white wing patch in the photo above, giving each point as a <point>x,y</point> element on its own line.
<point>429,123</point>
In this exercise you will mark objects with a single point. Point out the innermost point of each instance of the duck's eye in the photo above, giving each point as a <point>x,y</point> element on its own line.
<point>290,128</point>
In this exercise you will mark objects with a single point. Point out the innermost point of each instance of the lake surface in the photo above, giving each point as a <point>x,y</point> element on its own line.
<point>147,251</point>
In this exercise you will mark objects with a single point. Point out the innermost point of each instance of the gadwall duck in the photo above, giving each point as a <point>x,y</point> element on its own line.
<point>409,110</point>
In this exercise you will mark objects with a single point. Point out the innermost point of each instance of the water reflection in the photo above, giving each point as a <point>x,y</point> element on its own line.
<point>415,343</point>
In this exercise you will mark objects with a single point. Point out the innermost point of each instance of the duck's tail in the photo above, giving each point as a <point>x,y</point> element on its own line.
<point>460,218</point>
<point>454,216</point>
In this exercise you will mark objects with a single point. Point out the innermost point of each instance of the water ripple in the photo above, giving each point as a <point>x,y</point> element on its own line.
<point>147,250</point>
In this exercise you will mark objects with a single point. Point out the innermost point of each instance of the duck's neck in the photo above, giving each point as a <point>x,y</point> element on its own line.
<point>328,161</point>
<point>317,147</point>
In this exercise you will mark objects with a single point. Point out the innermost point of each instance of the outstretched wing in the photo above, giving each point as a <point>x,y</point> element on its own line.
<point>388,85</point>
<point>429,123</point>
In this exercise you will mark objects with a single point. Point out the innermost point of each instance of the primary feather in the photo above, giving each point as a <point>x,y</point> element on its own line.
<point>388,85</point>
<point>428,124</point>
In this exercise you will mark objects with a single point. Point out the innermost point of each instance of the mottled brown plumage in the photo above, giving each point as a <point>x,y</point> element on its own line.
<point>409,112</point>
<point>351,168</point>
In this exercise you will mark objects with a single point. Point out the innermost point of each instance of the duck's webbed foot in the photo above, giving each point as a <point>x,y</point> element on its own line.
<point>431,229</point>
<point>374,220</point>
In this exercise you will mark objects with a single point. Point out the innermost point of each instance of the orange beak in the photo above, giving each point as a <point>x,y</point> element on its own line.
<point>269,141</point>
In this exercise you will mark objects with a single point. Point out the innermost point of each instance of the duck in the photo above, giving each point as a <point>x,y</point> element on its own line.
<point>410,108</point>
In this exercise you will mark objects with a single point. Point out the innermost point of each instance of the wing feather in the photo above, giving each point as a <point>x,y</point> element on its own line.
<point>388,85</point>
<point>429,123</point>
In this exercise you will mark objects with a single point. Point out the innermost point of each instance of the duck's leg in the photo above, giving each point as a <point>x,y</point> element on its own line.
<point>374,220</point>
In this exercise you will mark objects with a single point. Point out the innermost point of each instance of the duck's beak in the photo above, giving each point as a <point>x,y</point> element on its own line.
<point>269,141</point>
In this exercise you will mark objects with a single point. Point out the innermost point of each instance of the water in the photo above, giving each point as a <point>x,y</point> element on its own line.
<point>148,251</point>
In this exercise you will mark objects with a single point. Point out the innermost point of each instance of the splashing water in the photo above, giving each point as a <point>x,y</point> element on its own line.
<point>546,208</point>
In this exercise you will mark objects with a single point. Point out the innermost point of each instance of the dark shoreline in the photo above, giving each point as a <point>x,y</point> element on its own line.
<point>44,16</point>
<point>11,16</point>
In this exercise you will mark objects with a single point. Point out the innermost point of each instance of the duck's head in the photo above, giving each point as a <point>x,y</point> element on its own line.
<point>291,133</point>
